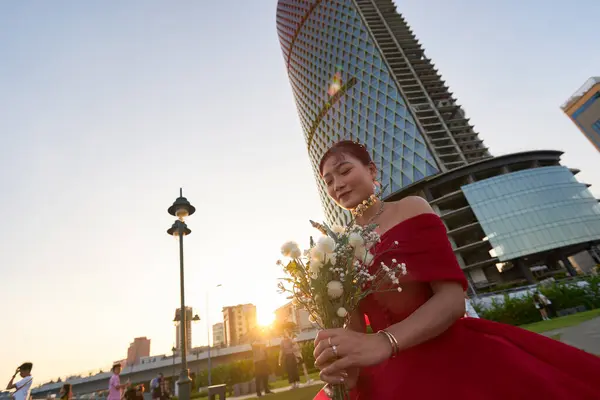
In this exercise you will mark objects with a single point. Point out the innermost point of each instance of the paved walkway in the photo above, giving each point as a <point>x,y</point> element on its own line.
<point>282,389</point>
<point>585,336</point>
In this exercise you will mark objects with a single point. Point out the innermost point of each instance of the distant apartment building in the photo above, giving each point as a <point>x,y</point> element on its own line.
<point>218,332</point>
<point>238,322</point>
<point>188,327</point>
<point>139,348</point>
<point>583,107</point>
<point>290,314</point>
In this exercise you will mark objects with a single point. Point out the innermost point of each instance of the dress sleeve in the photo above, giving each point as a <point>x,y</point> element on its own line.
<point>422,244</point>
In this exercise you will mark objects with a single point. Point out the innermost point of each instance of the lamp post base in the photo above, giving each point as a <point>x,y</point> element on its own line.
<point>184,385</point>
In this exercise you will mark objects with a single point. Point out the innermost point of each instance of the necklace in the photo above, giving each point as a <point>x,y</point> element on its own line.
<point>362,207</point>
<point>366,204</point>
<point>377,214</point>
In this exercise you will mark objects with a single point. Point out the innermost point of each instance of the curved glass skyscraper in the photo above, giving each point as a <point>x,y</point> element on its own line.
<point>357,72</point>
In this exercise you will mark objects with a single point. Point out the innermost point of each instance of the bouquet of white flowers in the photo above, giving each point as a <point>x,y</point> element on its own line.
<point>330,278</point>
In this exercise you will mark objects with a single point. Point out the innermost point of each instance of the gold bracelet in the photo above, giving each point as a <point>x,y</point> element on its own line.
<point>395,341</point>
<point>392,340</point>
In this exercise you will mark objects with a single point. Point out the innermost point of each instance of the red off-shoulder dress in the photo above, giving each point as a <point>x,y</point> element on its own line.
<point>474,359</point>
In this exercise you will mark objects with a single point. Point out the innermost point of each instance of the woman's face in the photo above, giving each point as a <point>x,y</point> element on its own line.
<point>348,181</point>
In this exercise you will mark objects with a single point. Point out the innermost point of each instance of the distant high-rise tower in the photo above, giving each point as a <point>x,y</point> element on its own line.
<point>239,321</point>
<point>139,348</point>
<point>218,334</point>
<point>188,327</point>
<point>358,72</point>
<point>584,110</point>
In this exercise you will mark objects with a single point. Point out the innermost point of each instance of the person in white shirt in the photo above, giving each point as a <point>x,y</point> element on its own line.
<point>469,309</point>
<point>23,386</point>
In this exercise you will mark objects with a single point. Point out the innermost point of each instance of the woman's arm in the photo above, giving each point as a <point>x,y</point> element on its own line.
<point>280,354</point>
<point>445,307</point>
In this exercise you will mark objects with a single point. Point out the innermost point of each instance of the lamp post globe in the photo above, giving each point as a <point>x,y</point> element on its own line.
<point>181,207</point>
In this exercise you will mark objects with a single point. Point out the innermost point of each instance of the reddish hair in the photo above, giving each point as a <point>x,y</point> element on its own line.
<point>347,147</point>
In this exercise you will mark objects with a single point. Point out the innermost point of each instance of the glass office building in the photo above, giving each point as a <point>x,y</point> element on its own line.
<point>534,210</point>
<point>357,72</point>
<point>514,218</point>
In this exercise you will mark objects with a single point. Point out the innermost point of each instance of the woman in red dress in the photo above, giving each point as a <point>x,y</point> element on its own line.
<point>429,350</point>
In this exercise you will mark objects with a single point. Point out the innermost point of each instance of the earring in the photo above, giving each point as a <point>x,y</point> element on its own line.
<point>376,187</point>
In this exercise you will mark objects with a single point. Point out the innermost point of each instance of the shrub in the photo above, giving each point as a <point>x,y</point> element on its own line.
<point>519,311</point>
<point>229,374</point>
<point>513,311</point>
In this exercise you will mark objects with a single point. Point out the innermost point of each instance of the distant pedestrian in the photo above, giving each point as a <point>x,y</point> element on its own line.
<point>549,305</point>
<point>469,309</point>
<point>261,367</point>
<point>300,360</point>
<point>66,392</point>
<point>115,389</point>
<point>288,359</point>
<point>158,388</point>
<point>541,303</point>
<point>155,387</point>
<point>23,386</point>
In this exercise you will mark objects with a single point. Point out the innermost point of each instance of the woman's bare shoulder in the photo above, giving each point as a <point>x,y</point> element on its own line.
<point>409,207</point>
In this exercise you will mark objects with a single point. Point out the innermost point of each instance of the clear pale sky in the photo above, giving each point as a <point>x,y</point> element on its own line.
<point>107,108</point>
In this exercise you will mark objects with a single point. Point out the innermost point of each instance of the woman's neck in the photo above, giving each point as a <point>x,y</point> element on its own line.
<point>369,213</point>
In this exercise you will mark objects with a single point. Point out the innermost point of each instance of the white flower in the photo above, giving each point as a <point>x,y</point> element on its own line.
<point>317,264</point>
<point>338,229</point>
<point>317,254</point>
<point>331,257</point>
<point>385,267</point>
<point>326,244</point>
<point>296,253</point>
<point>341,312</point>
<point>399,289</point>
<point>290,249</point>
<point>315,268</point>
<point>335,289</point>
<point>355,240</point>
<point>360,253</point>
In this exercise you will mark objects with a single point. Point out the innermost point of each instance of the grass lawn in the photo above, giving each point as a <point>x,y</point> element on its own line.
<point>305,393</point>
<point>562,322</point>
<point>284,382</point>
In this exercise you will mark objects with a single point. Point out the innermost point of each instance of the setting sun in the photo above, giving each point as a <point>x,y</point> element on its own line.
<point>265,317</point>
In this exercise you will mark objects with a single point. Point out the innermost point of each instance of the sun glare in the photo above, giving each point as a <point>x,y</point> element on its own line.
<point>265,318</point>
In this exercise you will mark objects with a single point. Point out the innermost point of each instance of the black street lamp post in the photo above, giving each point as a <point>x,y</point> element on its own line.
<point>182,208</point>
